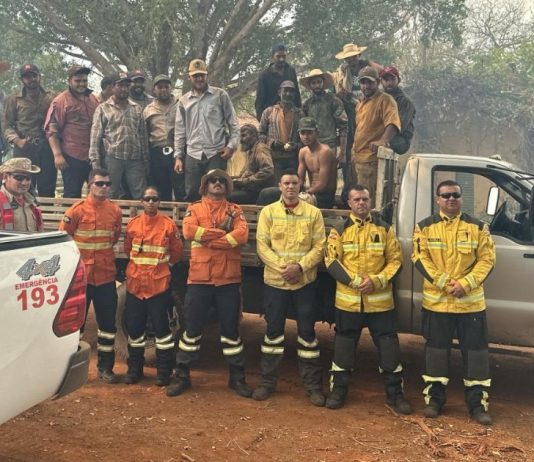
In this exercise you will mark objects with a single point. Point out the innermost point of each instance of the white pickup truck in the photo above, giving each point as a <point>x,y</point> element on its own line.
<point>42,285</point>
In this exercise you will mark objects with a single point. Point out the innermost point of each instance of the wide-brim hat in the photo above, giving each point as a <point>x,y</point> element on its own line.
<point>19,165</point>
<point>326,76</point>
<point>350,49</point>
<point>216,172</point>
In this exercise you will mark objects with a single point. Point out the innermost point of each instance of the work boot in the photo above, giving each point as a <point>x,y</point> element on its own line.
<point>336,398</point>
<point>183,381</point>
<point>400,405</point>
<point>132,377</point>
<point>262,393</point>
<point>240,387</point>
<point>163,380</point>
<point>431,411</point>
<point>481,416</point>
<point>108,376</point>
<point>317,398</point>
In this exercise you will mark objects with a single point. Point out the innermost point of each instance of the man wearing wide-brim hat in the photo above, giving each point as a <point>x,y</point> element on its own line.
<point>327,110</point>
<point>18,208</point>
<point>348,89</point>
<point>217,229</point>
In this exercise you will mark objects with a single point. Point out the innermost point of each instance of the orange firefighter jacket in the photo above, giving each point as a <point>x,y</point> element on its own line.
<point>152,243</point>
<point>96,227</point>
<point>215,254</point>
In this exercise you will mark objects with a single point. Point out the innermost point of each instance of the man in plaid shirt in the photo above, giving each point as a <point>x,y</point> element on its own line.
<point>119,140</point>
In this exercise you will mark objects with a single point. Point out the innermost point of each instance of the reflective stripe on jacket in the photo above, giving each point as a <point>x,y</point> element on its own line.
<point>286,236</point>
<point>96,227</point>
<point>458,248</point>
<point>152,243</point>
<point>365,247</point>
<point>215,253</point>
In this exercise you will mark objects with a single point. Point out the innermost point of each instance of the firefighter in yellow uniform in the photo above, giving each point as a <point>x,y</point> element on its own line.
<point>363,256</point>
<point>455,254</point>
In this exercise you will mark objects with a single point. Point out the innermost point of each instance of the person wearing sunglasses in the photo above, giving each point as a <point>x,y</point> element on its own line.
<point>455,254</point>
<point>153,242</point>
<point>95,224</point>
<point>216,229</point>
<point>18,208</point>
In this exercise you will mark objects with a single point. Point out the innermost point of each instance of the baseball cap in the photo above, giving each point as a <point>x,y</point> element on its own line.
<point>78,69</point>
<point>368,72</point>
<point>390,70</point>
<point>29,69</point>
<point>197,66</point>
<point>121,77</point>
<point>161,78</point>
<point>137,74</point>
<point>307,123</point>
<point>288,84</point>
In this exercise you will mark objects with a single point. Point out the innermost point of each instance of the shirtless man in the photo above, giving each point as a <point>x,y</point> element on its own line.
<point>319,161</point>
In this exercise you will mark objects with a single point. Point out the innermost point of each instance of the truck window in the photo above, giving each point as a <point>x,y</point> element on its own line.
<point>512,216</point>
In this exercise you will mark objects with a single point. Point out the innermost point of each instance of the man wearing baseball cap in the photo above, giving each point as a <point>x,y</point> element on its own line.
<point>377,121</point>
<point>23,122</point>
<point>270,79</point>
<point>119,140</point>
<point>68,128</point>
<point>279,129</point>
<point>18,208</point>
<point>206,129</point>
<point>390,78</point>
<point>137,89</point>
<point>160,115</point>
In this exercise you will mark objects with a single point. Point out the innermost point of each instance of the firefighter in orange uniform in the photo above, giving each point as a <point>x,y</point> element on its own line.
<point>153,242</point>
<point>95,224</point>
<point>216,229</point>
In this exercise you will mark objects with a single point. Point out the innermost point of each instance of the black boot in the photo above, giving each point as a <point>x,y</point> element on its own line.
<point>435,398</point>
<point>165,362</point>
<point>105,363</point>
<point>269,376</point>
<point>476,398</point>
<point>311,372</point>
<point>135,361</point>
<point>237,381</point>
<point>340,387</point>
<point>183,381</point>
<point>394,393</point>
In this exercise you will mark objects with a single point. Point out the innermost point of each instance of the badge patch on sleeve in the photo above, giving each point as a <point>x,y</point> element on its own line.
<point>66,219</point>
<point>188,213</point>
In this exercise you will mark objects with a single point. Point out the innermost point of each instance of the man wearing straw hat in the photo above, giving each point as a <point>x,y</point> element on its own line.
<point>347,86</point>
<point>18,208</point>
<point>327,110</point>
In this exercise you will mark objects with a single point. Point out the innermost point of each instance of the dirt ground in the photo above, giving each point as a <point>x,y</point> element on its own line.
<point>211,423</point>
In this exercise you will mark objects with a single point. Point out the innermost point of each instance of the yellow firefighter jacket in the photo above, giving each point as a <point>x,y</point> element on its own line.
<point>459,248</point>
<point>364,248</point>
<point>286,236</point>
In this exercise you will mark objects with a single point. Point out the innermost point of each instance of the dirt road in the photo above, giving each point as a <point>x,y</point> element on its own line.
<point>211,423</point>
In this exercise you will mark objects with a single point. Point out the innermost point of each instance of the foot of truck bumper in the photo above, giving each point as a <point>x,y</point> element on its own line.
<point>77,370</point>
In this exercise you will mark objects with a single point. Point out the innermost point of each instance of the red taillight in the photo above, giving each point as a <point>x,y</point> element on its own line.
<point>71,315</point>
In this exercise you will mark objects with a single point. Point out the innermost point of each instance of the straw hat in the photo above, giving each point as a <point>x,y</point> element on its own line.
<point>350,49</point>
<point>19,165</point>
<point>216,172</point>
<point>327,78</point>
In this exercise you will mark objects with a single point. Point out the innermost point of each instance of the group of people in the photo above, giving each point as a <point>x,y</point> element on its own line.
<point>453,251</point>
<point>171,142</point>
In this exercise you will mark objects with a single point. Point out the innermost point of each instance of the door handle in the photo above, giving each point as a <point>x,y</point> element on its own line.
<point>528,255</point>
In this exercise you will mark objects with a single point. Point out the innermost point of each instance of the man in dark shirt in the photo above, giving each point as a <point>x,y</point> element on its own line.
<point>271,78</point>
<point>390,78</point>
<point>23,121</point>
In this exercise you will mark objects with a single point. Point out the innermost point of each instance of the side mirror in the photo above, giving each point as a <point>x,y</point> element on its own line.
<point>493,201</point>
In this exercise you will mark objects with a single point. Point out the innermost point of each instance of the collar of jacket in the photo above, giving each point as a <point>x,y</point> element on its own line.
<point>297,210</point>
<point>359,221</point>
<point>446,218</point>
<point>87,92</point>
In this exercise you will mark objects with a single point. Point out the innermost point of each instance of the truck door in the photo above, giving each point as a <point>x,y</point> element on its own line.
<point>509,288</point>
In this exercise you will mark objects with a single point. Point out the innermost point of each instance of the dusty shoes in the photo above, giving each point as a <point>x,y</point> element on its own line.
<point>108,376</point>
<point>240,387</point>
<point>317,398</point>
<point>182,384</point>
<point>336,398</point>
<point>431,411</point>
<point>262,393</point>
<point>482,417</point>
<point>400,405</point>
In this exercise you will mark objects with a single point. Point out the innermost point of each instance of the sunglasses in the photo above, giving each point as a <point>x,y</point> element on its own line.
<point>150,199</point>
<point>22,177</point>
<point>216,179</point>
<point>101,184</point>
<point>454,195</point>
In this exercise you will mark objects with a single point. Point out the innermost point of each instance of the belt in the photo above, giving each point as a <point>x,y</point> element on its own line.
<point>34,140</point>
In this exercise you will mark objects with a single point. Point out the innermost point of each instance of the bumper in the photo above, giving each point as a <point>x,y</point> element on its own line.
<point>77,371</point>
